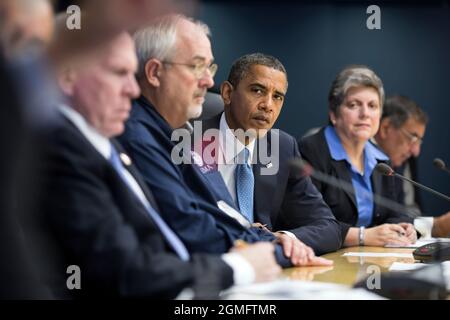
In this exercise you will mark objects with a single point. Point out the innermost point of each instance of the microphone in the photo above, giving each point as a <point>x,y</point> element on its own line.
<point>386,170</point>
<point>440,164</point>
<point>308,170</point>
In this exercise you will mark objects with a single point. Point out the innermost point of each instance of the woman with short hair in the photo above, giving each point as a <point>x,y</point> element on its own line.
<point>343,150</point>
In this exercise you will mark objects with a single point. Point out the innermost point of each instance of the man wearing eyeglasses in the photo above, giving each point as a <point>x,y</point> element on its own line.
<point>175,70</point>
<point>402,129</point>
<point>400,136</point>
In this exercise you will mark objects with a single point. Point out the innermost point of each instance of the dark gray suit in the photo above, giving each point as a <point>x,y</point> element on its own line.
<point>289,201</point>
<point>97,223</point>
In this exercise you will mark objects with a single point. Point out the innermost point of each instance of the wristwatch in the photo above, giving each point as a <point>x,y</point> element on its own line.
<point>361,236</point>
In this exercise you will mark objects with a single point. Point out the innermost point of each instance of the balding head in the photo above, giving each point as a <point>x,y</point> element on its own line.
<point>101,88</point>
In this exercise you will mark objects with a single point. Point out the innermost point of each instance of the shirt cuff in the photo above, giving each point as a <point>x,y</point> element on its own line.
<point>424,225</point>
<point>290,234</point>
<point>243,272</point>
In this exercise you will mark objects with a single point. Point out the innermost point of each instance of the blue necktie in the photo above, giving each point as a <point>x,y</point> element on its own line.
<point>170,236</point>
<point>244,185</point>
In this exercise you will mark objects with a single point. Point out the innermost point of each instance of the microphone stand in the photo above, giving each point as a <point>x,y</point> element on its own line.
<point>348,187</point>
<point>420,186</point>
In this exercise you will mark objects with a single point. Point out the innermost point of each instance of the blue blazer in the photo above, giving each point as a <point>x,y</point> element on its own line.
<point>187,200</point>
<point>288,201</point>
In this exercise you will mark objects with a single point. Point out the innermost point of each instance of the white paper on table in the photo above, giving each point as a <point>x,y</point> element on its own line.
<point>419,243</point>
<point>400,266</point>
<point>298,290</point>
<point>378,254</point>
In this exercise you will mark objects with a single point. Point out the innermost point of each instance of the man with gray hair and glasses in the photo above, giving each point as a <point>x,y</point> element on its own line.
<point>402,128</point>
<point>175,70</point>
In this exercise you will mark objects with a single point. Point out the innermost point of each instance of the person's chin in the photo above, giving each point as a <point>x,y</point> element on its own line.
<point>399,161</point>
<point>262,132</point>
<point>195,111</point>
<point>114,131</point>
<point>363,136</point>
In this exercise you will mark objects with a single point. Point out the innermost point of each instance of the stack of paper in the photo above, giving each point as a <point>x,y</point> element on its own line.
<point>400,266</point>
<point>378,254</point>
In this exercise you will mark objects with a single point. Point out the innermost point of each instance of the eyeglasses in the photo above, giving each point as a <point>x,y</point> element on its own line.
<point>198,69</point>
<point>413,138</point>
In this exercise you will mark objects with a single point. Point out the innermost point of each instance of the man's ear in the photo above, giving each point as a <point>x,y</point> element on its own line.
<point>226,88</point>
<point>385,127</point>
<point>153,72</point>
<point>66,80</point>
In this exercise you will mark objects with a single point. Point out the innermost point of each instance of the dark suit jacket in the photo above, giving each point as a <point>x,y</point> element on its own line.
<point>188,201</point>
<point>413,167</point>
<point>289,201</point>
<point>314,149</point>
<point>97,223</point>
<point>18,279</point>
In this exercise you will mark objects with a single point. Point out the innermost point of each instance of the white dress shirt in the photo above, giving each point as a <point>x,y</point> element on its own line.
<point>243,272</point>
<point>230,148</point>
<point>422,224</point>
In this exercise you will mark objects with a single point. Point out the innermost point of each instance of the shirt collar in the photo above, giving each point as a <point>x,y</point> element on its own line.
<point>157,117</point>
<point>371,153</point>
<point>230,145</point>
<point>337,150</point>
<point>100,143</point>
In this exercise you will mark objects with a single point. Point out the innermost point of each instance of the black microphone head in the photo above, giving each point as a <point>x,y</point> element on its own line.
<point>439,163</point>
<point>384,169</point>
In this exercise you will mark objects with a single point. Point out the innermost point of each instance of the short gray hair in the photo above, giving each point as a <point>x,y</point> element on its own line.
<point>398,109</point>
<point>350,77</point>
<point>242,66</point>
<point>158,40</point>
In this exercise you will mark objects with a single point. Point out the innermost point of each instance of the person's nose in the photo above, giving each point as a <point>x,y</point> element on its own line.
<point>132,88</point>
<point>415,149</point>
<point>267,103</point>
<point>363,111</point>
<point>207,80</point>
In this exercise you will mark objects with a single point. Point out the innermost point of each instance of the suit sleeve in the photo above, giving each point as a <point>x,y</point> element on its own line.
<point>396,194</point>
<point>191,217</point>
<point>310,153</point>
<point>304,206</point>
<point>92,231</point>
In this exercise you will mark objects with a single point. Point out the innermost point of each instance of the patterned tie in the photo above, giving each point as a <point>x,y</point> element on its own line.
<point>244,185</point>
<point>170,236</point>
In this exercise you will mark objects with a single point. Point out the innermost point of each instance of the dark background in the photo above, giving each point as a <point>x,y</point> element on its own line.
<point>315,40</point>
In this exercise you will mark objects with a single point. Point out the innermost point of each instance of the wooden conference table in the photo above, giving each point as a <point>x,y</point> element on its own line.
<point>348,270</point>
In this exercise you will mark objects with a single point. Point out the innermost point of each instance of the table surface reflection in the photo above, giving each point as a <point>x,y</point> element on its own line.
<point>348,270</point>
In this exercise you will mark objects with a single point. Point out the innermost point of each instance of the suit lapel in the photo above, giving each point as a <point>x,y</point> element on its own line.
<point>343,174</point>
<point>376,182</point>
<point>265,185</point>
<point>218,187</point>
<point>209,172</point>
<point>127,163</point>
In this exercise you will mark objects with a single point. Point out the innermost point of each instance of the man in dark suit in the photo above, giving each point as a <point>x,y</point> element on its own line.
<point>174,74</point>
<point>402,129</point>
<point>97,212</point>
<point>283,199</point>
